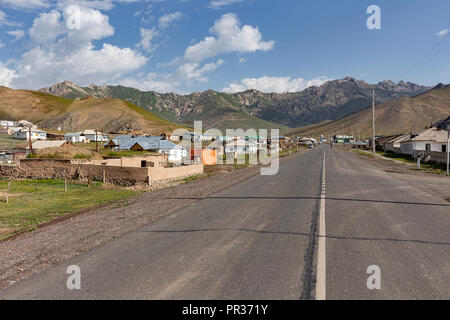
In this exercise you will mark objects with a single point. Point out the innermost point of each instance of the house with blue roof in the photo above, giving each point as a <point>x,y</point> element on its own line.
<point>176,154</point>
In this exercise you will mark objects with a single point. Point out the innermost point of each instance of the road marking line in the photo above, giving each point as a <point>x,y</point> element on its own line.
<point>321,279</point>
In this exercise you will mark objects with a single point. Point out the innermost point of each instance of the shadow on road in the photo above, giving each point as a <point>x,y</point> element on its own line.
<point>303,234</point>
<point>308,198</point>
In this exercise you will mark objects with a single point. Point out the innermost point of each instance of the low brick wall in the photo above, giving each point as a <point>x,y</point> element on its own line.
<point>61,169</point>
<point>123,176</point>
<point>157,174</point>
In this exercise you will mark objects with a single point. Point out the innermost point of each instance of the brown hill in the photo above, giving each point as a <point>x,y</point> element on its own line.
<point>105,114</point>
<point>67,152</point>
<point>401,115</point>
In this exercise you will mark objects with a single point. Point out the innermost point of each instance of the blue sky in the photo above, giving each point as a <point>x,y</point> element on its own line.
<point>226,45</point>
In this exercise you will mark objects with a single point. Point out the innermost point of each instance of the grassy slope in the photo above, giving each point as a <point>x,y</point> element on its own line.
<point>216,110</point>
<point>398,116</point>
<point>37,106</point>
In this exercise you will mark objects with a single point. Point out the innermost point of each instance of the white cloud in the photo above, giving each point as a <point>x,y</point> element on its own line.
<point>194,71</point>
<point>26,4</point>
<point>166,20</point>
<point>147,35</point>
<point>185,74</point>
<point>61,53</point>
<point>39,67</point>
<point>17,34</point>
<point>161,86</point>
<point>274,84</point>
<point>6,76</point>
<point>218,4</point>
<point>229,37</point>
<point>4,21</point>
<point>443,33</point>
<point>47,27</point>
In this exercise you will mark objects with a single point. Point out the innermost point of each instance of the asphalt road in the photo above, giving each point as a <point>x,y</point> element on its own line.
<point>258,240</point>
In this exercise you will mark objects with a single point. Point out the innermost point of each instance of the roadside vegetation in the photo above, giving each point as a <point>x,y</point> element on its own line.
<point>439,168</point>
<point>27,208</point>
<point>435,167</point>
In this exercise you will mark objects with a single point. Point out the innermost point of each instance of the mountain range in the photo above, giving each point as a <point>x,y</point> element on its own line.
<point>252,109</point>
<point>401,115</point>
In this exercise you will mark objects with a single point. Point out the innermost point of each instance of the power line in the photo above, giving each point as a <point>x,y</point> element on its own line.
<point>426,55</point>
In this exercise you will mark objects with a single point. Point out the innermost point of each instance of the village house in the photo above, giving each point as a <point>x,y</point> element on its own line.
<point>75,137</point>
<point>381,141</point>
<point>39,145</point>
<point>175,153</point>
<point>11,156</point>
<point>241,147</point>
<point>7,123</point>
<point>393,145</point>
<point>218,146</point>
<point>36,134</point>
<point>432,140</point>
<point>26,124</point>
<point>93,136</point>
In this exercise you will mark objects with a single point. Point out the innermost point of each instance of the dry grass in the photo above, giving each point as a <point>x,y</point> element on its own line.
<point>67,152</point>
<point>401,115</point>
<point>90,113</point>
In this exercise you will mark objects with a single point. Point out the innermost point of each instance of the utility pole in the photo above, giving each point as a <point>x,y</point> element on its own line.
<point>96,141</point>
<point>29,140</point>
<point>373,122</point>
<point>448,147</point>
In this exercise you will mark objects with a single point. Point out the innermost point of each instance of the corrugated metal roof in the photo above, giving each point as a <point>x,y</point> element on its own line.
<point>73,134</point>
<point>147,143</point>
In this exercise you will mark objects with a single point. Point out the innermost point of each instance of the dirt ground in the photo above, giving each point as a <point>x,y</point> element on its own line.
<point>33,252</point>
<point>427,181</point>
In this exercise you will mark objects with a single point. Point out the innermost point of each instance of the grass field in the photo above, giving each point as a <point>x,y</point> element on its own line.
<point>27,210</point>
<point>7,142</point>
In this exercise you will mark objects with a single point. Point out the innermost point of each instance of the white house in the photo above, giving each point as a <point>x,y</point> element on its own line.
<point>75,137</point>
<point>91,135</point>
<point>7,123</point>
<point>175,152</point>
<point>35,134</point>
<point>393,145</point>
<point>433,139</point>
<point>240,147</point>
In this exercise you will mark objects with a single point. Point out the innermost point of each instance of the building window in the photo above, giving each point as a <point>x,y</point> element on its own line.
<point>427,147</point>
<point>444,148</point>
